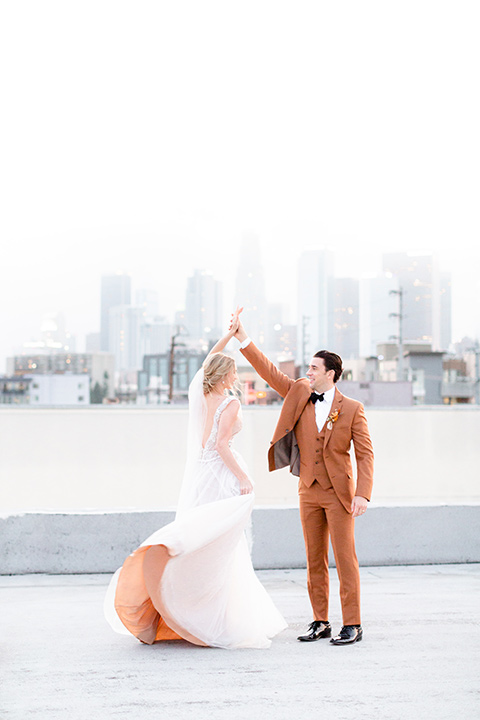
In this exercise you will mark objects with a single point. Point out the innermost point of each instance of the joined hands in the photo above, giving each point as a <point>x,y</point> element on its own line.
<point>236,325</point>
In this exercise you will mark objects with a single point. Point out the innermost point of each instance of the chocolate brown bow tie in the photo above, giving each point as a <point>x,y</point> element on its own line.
<point>315,396</point>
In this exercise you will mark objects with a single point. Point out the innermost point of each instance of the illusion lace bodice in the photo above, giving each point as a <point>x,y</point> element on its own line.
<point>209,452</point>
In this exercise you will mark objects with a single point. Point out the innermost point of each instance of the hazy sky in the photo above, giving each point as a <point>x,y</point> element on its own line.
<point>149,136</point>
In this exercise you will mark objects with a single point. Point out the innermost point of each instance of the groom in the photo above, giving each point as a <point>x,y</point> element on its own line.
<point>313,435</point>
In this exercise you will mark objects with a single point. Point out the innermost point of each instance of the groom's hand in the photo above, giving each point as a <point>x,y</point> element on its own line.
<point>240,333</point>
<point>359,506</point>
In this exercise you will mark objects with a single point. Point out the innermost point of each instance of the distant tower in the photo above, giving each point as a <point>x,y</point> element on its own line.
<point>250,289</point>
<point>314,309</point>
<point>419,277</point>
<point>345,315</point>
<point>125,324</point>
<point>116,290</point>
<point>376,305</point>
<point>54,334</point>
<point>203,306</point>
<point>148,300</point>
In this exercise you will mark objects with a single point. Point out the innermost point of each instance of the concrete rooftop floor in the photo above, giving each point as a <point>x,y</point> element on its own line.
<point>420,657</point>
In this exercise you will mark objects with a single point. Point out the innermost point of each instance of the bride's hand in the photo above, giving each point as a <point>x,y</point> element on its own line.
<point>246,486</point>
<point>235,321</point>
<point>232,329</point>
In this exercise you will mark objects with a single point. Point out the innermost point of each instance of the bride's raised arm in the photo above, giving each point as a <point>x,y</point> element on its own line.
<point>222,343</point>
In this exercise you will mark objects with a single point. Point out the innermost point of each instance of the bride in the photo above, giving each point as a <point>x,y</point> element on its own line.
<point>194,579</point>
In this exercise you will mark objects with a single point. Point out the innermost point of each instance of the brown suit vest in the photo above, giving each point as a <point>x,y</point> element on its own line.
<point>319,469</point>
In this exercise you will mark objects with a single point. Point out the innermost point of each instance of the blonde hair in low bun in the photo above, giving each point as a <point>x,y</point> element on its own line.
<point>215,368</point>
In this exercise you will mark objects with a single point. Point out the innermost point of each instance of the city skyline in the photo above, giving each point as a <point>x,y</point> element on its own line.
<point>136,293</point>
<point>351,127</point>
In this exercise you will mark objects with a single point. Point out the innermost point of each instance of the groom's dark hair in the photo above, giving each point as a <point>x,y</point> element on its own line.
<point>332,362</point>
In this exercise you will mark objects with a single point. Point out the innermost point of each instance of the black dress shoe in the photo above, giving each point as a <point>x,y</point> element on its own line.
<point>317,630</point>
<point>348,635</point>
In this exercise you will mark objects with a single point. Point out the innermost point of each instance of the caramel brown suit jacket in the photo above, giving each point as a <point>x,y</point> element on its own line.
<point>293,441</point>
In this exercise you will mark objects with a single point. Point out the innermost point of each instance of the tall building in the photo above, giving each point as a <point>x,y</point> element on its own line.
<point>344,316</point>
<point>116,290</point>
<point>54,334</point>
<point>203,306</point>
<point>148,300</point>
<point>125,323</point>
<point>376,305</point>
<point>250,289</point>
<point>419,277</point>
<point>314,314</point>
<point>280,338</point>
<point>156,336</point>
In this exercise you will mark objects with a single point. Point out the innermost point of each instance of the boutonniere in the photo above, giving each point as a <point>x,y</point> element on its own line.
<point>332,418</point>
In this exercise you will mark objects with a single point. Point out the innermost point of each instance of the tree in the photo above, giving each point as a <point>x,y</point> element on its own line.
<point>96,394</point>
<point>105,384</point>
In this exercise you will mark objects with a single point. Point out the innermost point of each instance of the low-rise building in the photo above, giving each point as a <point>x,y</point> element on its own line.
<point>14,390</point>
<point>100,367</point>
<point>59,389</point>
<point>378,394</point>
<point>154,379</point>
<point>425,371</point>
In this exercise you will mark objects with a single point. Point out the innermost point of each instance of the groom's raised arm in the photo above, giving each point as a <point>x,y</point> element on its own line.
<point>266,369</point>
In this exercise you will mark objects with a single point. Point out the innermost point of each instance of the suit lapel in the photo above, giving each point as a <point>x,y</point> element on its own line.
<point>310,411</point>
<point>336,405</point>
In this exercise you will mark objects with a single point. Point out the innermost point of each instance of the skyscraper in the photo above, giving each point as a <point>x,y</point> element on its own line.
<point>116,290</point>
<point>156,334</point>
<point>250,289</point>
<point>314,309</point>
<point>148,300</point>
<point>125,327</point>
<point>344,315</point>
<point>203,306</point>
<point>376,303</point>
<point>425,308</point>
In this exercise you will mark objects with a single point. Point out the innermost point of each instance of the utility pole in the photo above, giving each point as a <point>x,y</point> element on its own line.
<point>171,365</point>
<point>305,338</point>
<point>399,337</point>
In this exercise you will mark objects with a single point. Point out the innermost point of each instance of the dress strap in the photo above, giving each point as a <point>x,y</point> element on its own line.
<point>224,404</point>
<point>221,408</point>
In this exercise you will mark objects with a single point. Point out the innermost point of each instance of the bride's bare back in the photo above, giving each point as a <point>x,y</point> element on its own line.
<point>213,402</point>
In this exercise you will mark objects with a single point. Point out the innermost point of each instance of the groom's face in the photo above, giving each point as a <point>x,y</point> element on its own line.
<point>319,377</point>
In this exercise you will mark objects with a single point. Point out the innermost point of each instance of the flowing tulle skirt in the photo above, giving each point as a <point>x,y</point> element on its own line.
<point>194,579</point>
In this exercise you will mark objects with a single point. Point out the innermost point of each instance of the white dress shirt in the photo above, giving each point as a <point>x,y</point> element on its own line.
<point>245,343</point>
<point>322,409</point>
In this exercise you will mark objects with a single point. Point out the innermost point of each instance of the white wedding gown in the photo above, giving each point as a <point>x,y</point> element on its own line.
<point>194,579</point>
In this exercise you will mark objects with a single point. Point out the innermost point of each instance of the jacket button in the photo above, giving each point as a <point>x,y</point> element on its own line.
<point>316,462</point>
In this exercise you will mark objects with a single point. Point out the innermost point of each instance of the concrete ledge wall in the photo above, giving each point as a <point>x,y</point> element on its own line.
<point>121,459</point>
<point>96,543</point>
